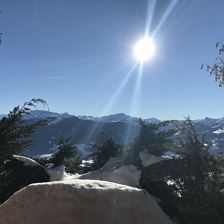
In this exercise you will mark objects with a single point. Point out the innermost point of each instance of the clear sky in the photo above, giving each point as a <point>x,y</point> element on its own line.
<point>78,54</point>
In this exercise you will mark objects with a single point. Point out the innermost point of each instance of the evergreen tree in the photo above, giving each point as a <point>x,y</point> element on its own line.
<point>189,184</point>
<point>66,154</point>
<point>153,139</point>
<point>107,148</point>
<point>14,138</point>
<point>201,180</point>
<point>202,167</point>
<point>15,133</point>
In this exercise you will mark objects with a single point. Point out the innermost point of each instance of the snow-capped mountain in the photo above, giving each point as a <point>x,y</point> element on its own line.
<point>120,117</point>
<point>42,114</point>
<point>215,126</point>
<point>207,121</point>
<point>152,120</point>
<point>85,117</point>
<point>122,127</point>
<point>81,132</point>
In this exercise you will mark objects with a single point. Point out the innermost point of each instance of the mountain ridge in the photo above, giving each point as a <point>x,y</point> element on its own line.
<point>121,127</point>
<point>121,117</point>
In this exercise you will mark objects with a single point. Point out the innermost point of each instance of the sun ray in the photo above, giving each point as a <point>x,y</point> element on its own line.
<point>165,16</point>
<point>112,100</point>
<point>150,14</point>
<point>136,100</point>
<point>143,50</point>
<point>119,89</point>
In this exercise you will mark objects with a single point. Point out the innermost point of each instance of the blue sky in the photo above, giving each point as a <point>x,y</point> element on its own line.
<point>76,54</point>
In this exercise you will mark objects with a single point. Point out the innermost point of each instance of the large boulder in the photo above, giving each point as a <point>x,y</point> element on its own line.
<point>81,202</point>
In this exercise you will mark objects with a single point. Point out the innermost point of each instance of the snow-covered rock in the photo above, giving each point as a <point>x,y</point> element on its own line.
<point>56,173</point>
<point>150,159</point>
<point>126,174</point>
<point>115,171</point>
<point>81,202</point>
<point>26,161</point>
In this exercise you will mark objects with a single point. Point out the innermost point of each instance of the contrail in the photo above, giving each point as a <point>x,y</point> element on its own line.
<point>56,77</point>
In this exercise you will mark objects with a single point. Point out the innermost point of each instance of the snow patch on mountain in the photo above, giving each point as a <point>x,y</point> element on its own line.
<point>219,131</point>
<point>119,117</point>
<point>152,120</point>
<point>85,117</point>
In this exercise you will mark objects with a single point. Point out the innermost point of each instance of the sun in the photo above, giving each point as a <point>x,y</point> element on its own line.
<point>144,49</point>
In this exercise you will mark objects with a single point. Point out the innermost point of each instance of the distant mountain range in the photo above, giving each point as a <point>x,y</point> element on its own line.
<point>120,117</point>
<point>85,130</point>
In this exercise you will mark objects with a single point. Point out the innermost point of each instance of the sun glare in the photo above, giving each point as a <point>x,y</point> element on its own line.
<point>144,49</point>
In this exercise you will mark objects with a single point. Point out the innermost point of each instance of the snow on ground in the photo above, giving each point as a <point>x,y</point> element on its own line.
<point>112,171</point>
<point>86,198</point>
<point>82,202</point>
<point>128,175</point>
<point>115,171</point>
<point>56,173</point>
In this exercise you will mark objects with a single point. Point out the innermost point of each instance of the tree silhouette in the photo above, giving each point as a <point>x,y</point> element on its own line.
<point>15,133</point>
<point>108,148</point>
<point>217,68</point>
<point>189,184</point>
<point>14,138</point>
